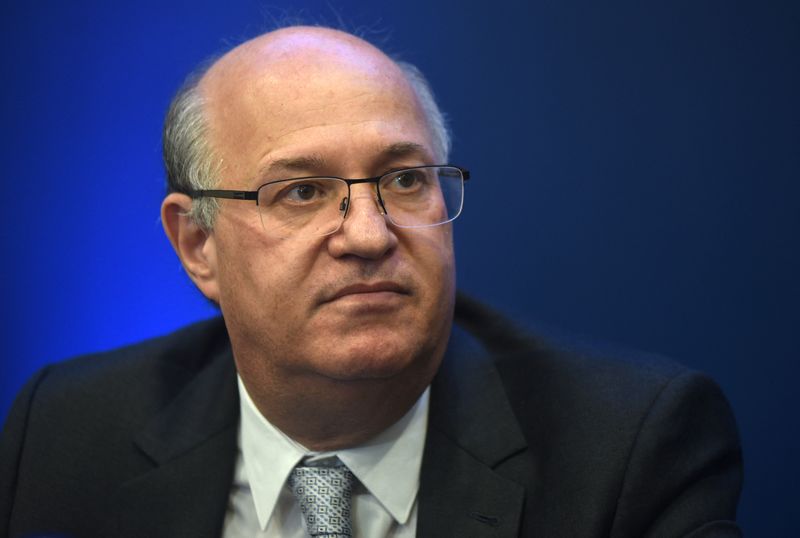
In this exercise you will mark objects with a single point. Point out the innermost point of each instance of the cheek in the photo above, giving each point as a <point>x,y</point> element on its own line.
<point>261,301</point>
<point>262,279</point>
<point>432,252</point>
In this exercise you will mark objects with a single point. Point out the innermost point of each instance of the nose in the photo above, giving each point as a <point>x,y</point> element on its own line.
<point>365,231</point>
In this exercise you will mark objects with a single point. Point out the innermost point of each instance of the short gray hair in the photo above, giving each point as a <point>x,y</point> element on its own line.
<point>436,119</point>
<point>190,161</point>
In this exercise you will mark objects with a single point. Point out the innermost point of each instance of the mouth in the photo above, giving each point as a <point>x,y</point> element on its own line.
<point>367,291</point>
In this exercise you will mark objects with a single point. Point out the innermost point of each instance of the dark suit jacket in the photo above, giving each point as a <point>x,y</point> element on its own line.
<point>141,442</point>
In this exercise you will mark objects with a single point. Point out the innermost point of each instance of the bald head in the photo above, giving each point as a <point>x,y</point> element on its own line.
<point>271,88</point>
<point>264,87</point>
<point>298,51</point>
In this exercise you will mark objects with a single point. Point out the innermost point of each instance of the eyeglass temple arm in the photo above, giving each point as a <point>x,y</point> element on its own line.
<point>232,195</point>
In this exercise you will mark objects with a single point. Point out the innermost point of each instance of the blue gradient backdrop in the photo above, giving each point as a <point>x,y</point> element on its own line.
<point>635,180</point>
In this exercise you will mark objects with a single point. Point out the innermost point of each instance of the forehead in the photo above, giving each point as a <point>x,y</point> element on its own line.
<point>305,91</point>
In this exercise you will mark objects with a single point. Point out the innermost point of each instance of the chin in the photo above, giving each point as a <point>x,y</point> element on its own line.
<point>370,358</point>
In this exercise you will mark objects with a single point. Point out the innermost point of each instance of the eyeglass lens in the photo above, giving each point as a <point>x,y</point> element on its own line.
<point>415,197</point>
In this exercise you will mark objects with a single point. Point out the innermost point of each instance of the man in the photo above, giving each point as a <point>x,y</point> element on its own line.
<point>338,361</point>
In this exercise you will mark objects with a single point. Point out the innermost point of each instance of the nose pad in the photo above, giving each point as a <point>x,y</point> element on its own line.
<point>381,205</point>
<point>344,205</point>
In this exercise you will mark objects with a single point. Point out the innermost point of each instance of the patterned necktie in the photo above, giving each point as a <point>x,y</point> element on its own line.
<point>324,492</point>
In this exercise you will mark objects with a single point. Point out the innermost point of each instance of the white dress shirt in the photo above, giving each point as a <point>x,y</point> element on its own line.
<point>386,467</point>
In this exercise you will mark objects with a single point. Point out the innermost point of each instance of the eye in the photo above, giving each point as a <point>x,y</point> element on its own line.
<point>308,193</point>
<point>407,181</point>
<point>302,192</point>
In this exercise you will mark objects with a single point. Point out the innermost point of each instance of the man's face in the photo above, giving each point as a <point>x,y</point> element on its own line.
<point>369,301</point>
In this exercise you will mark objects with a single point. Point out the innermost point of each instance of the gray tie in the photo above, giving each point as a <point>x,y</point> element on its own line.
<point>323,491</point>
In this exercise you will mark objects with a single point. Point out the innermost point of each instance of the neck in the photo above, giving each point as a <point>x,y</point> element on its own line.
<point>354,416</point>
<point>325,414</point>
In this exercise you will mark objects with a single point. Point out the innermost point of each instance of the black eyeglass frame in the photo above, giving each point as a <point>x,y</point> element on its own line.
<point>345,206</point>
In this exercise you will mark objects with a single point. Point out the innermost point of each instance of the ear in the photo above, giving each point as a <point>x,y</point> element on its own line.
<point>194,246</point>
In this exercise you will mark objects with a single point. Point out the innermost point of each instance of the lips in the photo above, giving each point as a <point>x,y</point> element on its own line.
<point>362,288</point>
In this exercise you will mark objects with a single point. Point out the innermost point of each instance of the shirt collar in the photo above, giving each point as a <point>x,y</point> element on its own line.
<point>388,465</point>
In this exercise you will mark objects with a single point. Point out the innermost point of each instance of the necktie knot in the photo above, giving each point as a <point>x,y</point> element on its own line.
<point>324,493</point>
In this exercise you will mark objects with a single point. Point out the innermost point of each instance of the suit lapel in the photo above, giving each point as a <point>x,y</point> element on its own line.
<point>471,430</point>
<point>192,444</point>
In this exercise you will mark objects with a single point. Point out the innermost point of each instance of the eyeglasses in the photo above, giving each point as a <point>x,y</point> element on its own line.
<point>417,197</point>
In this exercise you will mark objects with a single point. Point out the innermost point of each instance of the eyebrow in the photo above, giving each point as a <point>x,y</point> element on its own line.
<point>304,162</point>
<point>315,161</point>
<point>404,149</point>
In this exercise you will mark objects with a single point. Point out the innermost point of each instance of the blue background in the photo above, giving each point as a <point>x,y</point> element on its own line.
<point>635,174</point>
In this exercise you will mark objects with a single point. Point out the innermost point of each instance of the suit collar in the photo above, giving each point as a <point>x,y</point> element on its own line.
<point>472,430</point>
<point>470,406</point>
<point>207,405</point>
<point>191,445</point>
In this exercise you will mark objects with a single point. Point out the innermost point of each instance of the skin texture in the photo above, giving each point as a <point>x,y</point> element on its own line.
<point>335,337</point>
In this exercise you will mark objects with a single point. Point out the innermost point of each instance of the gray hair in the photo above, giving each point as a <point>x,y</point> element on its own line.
<point>437,121</point>
<point>190,161</point>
